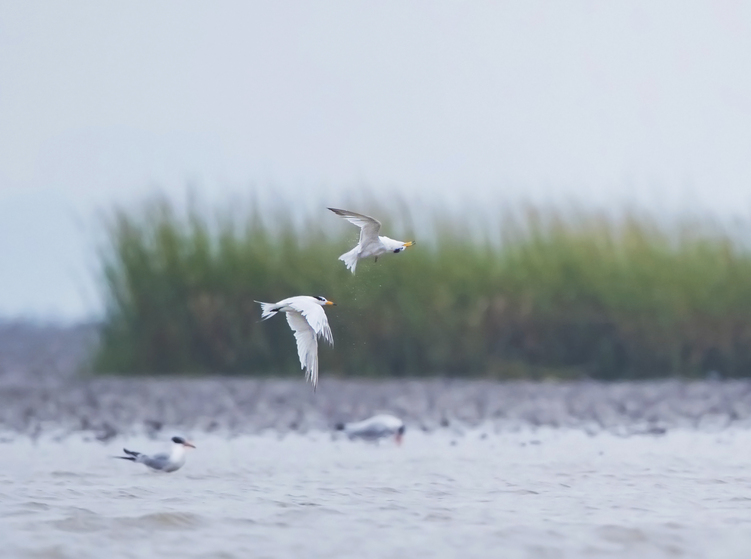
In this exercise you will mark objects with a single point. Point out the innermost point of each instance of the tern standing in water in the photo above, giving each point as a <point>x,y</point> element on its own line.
<point>375,428</point>
<point>307,319</point>
<point>370,243</point>
<point>163,462</point>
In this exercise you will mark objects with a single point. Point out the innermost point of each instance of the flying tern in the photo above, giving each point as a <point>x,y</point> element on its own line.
<point>374,428</point>
<point>370,243</point>
<point>163,462</point>
<point>307,319</point>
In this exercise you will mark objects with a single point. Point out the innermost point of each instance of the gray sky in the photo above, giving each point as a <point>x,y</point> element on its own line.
<point>607,102</point>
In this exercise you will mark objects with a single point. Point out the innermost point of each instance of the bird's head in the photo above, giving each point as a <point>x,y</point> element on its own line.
<point>404,246</point>
<point>399,435</point>
<point>180,440</point>
<point>323,301</point>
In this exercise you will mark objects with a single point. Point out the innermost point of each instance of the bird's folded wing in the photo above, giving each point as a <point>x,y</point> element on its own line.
<point>315,316</point>
<point>373,431</point>
<point>369,227</point>
<point>376,426</point>
<point>307,346</point>
<point>157,461</point>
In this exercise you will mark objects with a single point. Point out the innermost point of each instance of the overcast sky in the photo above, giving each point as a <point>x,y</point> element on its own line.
<point>607,102</point>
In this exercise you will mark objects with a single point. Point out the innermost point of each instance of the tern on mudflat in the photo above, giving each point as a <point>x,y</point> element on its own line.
<point>374,428</point>
<point>307,319</point>
<point>370,243</point>
<point>163,462</point>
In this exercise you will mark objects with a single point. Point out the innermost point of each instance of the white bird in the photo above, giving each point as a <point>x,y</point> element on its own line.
<point>370,243</point>
<point>163,462</point>
<point>374,428</point>
<point>307,319</point>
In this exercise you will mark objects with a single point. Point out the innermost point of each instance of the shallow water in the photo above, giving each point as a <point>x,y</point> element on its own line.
<point>531,493</point>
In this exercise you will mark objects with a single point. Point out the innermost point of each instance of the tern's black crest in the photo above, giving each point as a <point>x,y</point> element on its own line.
<point>401,430</point>
<point>178,440</point>
<point>319,298</point>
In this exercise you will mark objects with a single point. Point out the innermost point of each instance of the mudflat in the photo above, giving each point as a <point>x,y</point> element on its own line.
<point>108,407</point>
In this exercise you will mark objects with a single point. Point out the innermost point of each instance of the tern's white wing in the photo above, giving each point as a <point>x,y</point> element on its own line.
<point>307,345</point>
<point>369,227</point>
<point>313,314</point>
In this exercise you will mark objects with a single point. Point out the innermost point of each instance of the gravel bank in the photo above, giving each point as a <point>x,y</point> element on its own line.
<point>109,407</point>
<point>42,391</point>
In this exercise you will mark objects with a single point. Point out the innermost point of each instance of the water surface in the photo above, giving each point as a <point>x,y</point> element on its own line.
<point>478,493</point>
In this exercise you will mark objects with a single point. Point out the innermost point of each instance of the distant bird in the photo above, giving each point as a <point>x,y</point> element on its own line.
<point>370,243</point>
<point>163,462</point>
<point>307,319</point>
<point>375,428</point>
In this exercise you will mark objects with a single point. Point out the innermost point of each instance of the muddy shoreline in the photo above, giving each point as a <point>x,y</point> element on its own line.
<point>109,407</point>
<point>44,390</point>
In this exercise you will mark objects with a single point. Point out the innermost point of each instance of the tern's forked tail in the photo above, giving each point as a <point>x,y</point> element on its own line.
<point>267,310</point>
<point>131,455</point>
<point>350,259</point>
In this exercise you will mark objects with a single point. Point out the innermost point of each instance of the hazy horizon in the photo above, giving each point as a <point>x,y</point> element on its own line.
<point>486,103</point>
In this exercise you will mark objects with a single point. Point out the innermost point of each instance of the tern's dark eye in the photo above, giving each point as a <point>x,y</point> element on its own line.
<point>320,298</point>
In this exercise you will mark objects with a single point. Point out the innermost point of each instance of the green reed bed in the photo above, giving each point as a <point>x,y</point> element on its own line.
<point>554,293</point>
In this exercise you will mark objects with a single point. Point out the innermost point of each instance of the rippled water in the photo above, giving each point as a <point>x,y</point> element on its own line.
<point>546,493</point>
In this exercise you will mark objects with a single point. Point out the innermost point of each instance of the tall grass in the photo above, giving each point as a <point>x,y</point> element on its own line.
<point>554,293</point>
